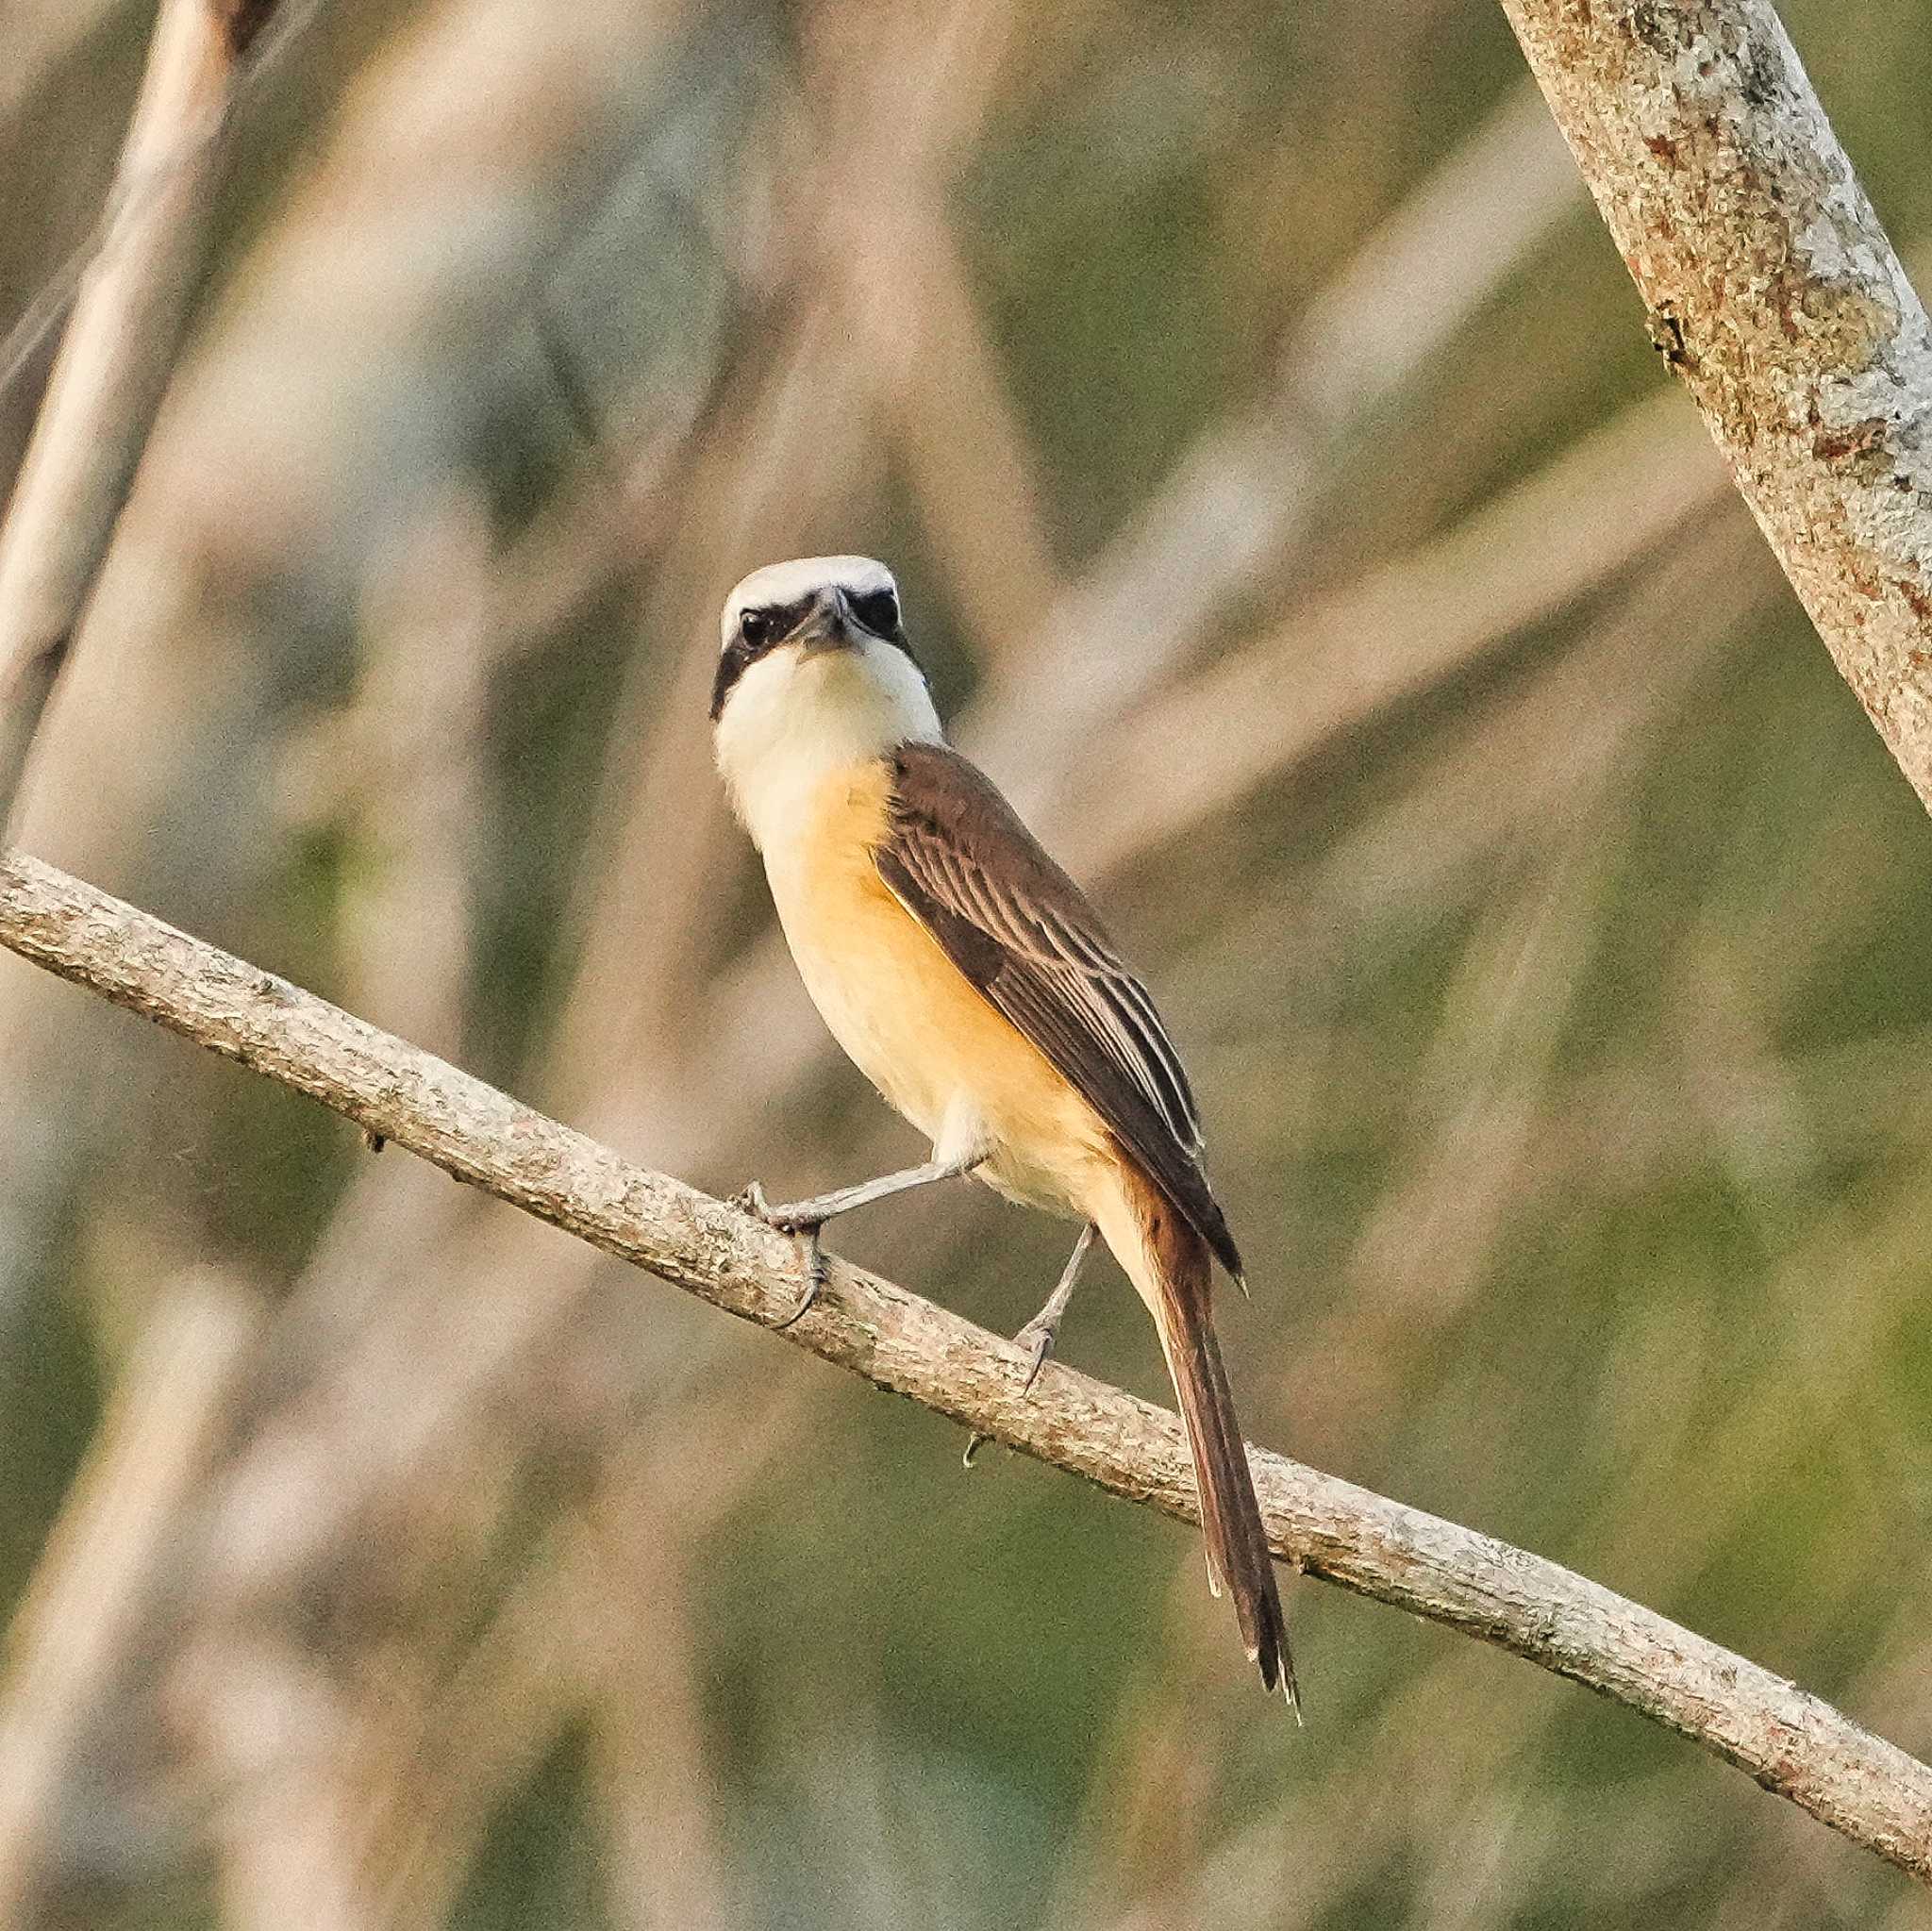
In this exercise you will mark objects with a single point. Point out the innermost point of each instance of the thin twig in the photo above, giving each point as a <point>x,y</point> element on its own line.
<point>1790,1742</point>
<point>1775,294</point>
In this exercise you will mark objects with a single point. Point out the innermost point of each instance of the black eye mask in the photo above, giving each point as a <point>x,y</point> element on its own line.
<point>760,629</point>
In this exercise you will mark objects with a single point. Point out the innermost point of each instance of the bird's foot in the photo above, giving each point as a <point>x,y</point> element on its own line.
<point>804,1229</point>
<point>1040,1334</point>
<point>797,1217</point>
<point>811,1259</point>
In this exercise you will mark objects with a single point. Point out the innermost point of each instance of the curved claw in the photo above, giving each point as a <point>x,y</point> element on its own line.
<point>750,1199</point>
<point>813,1260</point>
<point>1041,1335</point>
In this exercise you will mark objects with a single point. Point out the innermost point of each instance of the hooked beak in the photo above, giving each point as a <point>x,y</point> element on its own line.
<point>828,627</point>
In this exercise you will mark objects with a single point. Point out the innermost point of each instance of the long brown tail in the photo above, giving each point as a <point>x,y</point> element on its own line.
<point>1237,1553</point>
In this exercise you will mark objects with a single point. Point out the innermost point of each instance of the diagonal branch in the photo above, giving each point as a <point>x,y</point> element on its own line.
<point>1775,294</point>
<point>1790,1742</point>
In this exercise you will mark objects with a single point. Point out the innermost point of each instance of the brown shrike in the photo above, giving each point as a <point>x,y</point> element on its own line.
<point>970,981</point>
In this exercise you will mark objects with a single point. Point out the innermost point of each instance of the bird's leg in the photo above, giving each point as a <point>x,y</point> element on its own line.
<point>806,1216</point>
<point>1042,1331</point>
<point>803,1219</point>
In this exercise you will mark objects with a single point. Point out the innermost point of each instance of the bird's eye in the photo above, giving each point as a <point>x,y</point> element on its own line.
<point>878,610</point>
<point>756,626</point>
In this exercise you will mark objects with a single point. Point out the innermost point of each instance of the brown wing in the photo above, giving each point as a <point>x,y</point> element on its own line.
<point>958,857</point>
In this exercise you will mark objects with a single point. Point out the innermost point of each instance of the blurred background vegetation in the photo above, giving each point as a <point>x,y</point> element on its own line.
<point>1297,522</point>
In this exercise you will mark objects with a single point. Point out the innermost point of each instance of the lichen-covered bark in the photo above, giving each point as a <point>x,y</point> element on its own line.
<point>1777,298</point>
<point>1787,1740</point>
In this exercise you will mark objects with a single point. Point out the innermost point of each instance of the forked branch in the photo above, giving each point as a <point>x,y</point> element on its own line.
<point>1790,1742</point>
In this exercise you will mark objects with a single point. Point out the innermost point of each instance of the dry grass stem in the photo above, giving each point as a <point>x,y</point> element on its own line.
<point>114,363</point>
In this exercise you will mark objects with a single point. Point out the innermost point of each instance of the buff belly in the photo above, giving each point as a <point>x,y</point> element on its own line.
<point>910,1021</point>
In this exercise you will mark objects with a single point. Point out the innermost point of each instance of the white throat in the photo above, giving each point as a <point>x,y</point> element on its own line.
<point>793,720</point>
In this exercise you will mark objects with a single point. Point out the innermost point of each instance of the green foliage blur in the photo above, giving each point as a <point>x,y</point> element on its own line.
<point>1546,928</point>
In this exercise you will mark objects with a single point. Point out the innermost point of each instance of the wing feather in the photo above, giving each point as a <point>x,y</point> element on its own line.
<point>958,857</point>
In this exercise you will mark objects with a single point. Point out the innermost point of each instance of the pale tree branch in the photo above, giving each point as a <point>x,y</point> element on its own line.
<point>116,356</point>
<point>1790,1742</point>
<point>1776,295</point>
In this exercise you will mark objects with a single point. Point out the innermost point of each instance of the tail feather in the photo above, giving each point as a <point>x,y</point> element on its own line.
<point>1180,1266</point>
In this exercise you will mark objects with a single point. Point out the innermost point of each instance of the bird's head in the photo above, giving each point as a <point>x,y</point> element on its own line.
<point>814,673</point>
